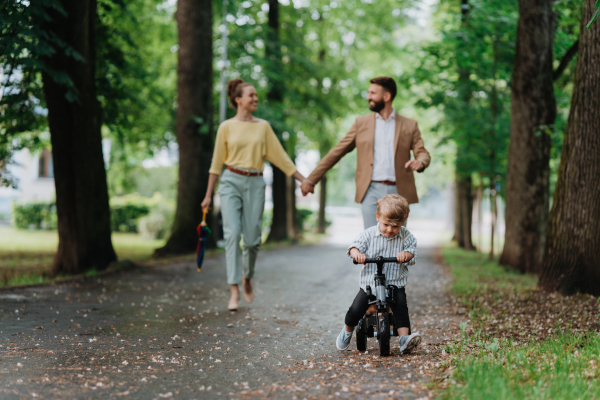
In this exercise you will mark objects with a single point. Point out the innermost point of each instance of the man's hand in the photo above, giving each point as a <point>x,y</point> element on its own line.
<point>414,165</point>
<point>307,187</point>
<point>359,258</point>
<point>404,256</point>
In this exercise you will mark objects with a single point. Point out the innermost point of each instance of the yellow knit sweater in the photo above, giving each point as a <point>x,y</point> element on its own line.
<point>246,145</point>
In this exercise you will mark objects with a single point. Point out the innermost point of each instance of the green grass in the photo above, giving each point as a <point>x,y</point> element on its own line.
<point>36,243</point>
<point>475,273</point>
<point>26,256</point>
<point>565,367</point>
<point>485,364</point>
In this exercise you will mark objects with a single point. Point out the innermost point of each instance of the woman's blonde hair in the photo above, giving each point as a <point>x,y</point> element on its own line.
<point>235,88</point>
<point>394,208</point>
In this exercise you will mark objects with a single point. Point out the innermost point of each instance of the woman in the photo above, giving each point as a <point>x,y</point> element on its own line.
<point>242,145</point>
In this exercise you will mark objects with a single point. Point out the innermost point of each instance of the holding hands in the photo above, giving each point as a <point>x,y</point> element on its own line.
<point>307,187</point>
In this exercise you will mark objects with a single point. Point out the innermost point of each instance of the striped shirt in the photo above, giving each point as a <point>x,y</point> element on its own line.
<point>372,243</point>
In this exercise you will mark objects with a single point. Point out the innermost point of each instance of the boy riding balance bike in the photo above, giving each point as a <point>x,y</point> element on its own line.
<point>391,247</point>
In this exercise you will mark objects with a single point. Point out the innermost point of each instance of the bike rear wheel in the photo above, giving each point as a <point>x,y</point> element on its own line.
<point>383,334</point>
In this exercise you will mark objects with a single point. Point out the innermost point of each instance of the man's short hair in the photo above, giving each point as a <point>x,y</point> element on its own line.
<point>394,208</point>
<point>387,83</point>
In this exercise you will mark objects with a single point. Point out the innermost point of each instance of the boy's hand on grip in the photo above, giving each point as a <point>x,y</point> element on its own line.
<point>359,258</point>
<point>404,256</point>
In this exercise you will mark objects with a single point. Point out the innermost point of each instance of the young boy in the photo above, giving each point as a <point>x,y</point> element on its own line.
<point>388,239</point>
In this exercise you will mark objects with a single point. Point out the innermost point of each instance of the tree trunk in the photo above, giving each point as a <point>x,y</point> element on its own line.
<point>479,203</point>
<point>570,262</point>
<point>463,218</point>
<point>321,220</point>
<point>291,216</point>
<point>533,115</point>
<point>494,215</point>
<point>279,225</point>
<point>194,121</point>
<point>463,196</point>
<point>84,238</point>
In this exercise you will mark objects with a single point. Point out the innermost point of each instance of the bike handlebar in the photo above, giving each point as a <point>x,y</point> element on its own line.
<point>379,260</point>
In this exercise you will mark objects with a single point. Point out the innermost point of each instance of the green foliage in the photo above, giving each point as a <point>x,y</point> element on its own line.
<point>325,49</point>
<point>595,16</point>
<point>465,73</point>
<point>125,214</point>
<point>37,215</point>
<point>126,210</point>
<point>24,42</point>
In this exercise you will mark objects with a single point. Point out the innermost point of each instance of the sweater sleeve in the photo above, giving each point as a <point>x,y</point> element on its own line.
<point>275,153</point>
<point>220,152</point>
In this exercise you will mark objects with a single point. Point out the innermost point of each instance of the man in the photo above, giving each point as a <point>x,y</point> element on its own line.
<point>383,141</point>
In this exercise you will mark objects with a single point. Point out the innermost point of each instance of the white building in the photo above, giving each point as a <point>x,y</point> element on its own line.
<point>34,175</point>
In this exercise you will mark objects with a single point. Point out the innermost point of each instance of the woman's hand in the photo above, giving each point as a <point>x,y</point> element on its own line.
<point>404,256</point>
<point>206,203</point>
<point>359,258</point>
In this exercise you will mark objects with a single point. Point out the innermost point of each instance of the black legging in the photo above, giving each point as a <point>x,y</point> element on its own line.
<point>360,305</point>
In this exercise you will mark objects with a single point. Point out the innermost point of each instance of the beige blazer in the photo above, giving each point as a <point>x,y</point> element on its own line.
<point>362,137</point>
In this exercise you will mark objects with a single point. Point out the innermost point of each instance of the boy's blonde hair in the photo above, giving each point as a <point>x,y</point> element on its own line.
<point>394,208</point>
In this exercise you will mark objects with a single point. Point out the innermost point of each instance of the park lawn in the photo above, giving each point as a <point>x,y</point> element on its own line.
<point>522,343</point>
<point>26,256</point>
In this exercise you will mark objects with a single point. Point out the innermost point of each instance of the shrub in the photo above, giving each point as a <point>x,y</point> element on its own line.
<point>37,215</point>
<point>125,212</point>
<point>157,224</point>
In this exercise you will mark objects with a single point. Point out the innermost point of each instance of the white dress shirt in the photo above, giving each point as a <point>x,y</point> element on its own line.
<point>383,149</point>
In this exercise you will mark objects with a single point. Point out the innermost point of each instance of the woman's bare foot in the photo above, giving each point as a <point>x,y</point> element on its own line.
<point>234,301</point>
<point>248,292</point>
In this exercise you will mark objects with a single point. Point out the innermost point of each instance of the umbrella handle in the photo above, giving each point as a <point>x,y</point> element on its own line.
<point>203,223</point>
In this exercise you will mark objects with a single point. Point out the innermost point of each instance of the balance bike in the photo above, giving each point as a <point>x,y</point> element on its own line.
<point>381,324</point>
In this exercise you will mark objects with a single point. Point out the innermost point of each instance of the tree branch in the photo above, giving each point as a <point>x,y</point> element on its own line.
<point>565,61</point>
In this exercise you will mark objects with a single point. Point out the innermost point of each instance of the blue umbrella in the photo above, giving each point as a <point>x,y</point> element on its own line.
<point>203,232</point>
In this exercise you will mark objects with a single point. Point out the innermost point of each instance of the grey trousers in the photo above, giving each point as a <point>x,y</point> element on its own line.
<point>242,206</point>
<point>369,203</point>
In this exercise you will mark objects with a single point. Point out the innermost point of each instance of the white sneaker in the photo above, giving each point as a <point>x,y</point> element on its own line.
<point>343,340</point>
<point>409,342</point>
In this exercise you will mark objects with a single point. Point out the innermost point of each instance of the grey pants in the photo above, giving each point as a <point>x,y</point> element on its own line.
<point>369,203</point>
<point>242,205</point>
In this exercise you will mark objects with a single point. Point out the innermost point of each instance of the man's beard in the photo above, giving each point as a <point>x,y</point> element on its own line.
<point>378,106</point>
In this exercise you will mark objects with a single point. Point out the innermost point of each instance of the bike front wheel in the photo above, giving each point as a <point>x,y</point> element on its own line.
<point>383,334</point>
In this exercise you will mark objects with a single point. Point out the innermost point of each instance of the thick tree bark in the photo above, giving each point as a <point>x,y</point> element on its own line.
<point>533,114</point>
<point>279,225</point>
<point>194,121</point>
<point>571,257</point>
<point>84,237</point>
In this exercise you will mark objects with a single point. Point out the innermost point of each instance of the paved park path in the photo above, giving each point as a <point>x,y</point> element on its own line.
<point>165,332</point>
